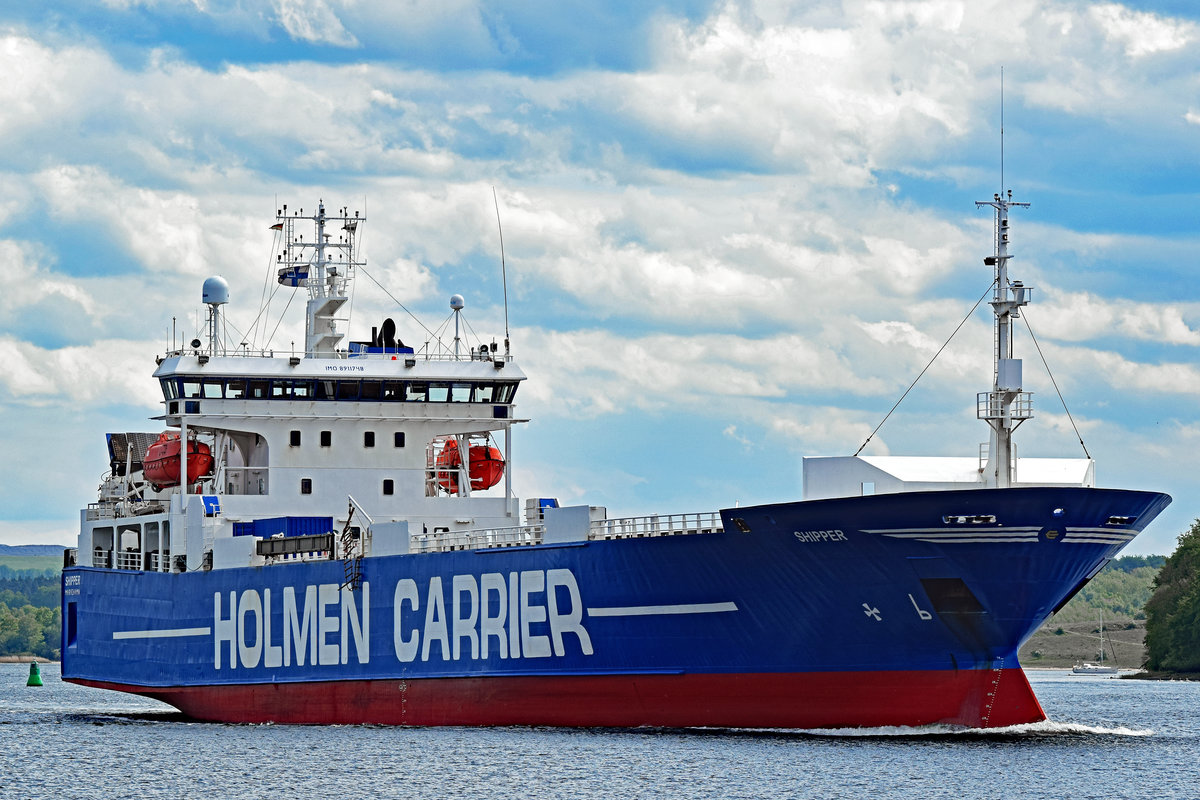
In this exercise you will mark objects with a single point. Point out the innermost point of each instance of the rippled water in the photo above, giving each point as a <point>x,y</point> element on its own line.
<point>1106,739</point>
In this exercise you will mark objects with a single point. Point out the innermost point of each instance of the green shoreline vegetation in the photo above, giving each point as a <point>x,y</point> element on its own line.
<point>1173,612</point>
<point>30,618</point>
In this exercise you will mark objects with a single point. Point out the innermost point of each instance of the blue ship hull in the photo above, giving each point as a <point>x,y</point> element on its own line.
<point>900,609</point>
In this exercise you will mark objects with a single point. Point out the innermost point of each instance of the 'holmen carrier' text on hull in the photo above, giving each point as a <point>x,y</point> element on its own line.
<point>354,554</point>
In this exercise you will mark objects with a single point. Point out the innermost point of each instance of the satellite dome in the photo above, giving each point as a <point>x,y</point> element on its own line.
<point>457,302</point>
<point>216,291</point>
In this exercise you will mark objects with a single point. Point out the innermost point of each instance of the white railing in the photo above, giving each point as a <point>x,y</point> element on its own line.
<point>117,509</point>
<point>97,511</point>
<point>129,560</point>
<point>442,353</point>
<point>656,525</point>
<point>442,541</point>
<point>524,535</point>
<point>102,558</point>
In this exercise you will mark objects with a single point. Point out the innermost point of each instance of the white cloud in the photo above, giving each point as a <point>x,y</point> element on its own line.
<point>1080,316</point>
<point>593,372</point>
<point>1142,33</point>
<point>313,21</point>
<point>107,372</point>
<point>748,225</point>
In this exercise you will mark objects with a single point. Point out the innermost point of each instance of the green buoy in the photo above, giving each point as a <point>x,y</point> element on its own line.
<point>35,676</point>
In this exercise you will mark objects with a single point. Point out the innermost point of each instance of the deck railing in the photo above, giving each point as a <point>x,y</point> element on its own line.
<point>442,541</point>
<point>598,530</point>
<point>656,525</point>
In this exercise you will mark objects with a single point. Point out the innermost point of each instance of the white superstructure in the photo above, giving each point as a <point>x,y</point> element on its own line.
<point>374,427</point>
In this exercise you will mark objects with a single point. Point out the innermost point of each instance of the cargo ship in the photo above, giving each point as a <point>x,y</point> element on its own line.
<point>343,545</point>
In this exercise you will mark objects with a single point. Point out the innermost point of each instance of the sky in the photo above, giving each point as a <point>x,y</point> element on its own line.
<point>734,232</point>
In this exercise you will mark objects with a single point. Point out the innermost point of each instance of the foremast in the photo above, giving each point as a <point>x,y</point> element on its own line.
<point>325,267</point>
<point>1006,406</point>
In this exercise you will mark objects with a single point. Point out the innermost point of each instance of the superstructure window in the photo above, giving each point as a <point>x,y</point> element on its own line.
<point>294,439</point>
<point>306,486</point>
<point>368,438</point>
<point>390,391</point>
<point>389,487</point>
<point>398,438</point>
<point>326,439</point>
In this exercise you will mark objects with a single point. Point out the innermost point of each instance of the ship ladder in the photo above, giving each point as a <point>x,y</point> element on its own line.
<point>351,555</point>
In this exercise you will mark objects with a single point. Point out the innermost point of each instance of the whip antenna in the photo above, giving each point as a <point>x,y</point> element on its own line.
<point>503,269</point>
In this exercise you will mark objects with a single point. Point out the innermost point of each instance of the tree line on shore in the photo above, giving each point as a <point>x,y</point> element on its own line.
<point>30,619</point>
<point>1173,611</point>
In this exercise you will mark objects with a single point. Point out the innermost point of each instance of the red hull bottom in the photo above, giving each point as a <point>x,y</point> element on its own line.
<point>969,698</point>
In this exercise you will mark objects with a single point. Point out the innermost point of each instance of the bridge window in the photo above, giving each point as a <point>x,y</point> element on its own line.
<point>294,439</point>
<point>389,486</point>
<point>398,438</point>
<point>368,438</point>
<point>326,438</point>
<point>370,390</point>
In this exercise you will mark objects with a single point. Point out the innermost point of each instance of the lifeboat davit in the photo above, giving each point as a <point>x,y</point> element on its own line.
<point>161,464</point>
<point>485,466</point>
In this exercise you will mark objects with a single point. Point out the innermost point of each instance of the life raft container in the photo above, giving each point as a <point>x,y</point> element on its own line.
<point>161,464</point>
<point>485,466</point>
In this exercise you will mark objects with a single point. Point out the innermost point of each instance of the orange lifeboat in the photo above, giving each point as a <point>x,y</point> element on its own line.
<point>485,466</point>
<point>161,464</point>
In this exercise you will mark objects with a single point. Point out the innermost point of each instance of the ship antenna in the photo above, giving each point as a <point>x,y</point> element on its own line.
<point>1001,129</point>
<point>1006,406</point>
<point>503,269</point>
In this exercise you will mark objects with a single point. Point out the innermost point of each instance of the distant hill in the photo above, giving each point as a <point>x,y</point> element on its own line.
<point>31,549</point>
<point>1119,593</point>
